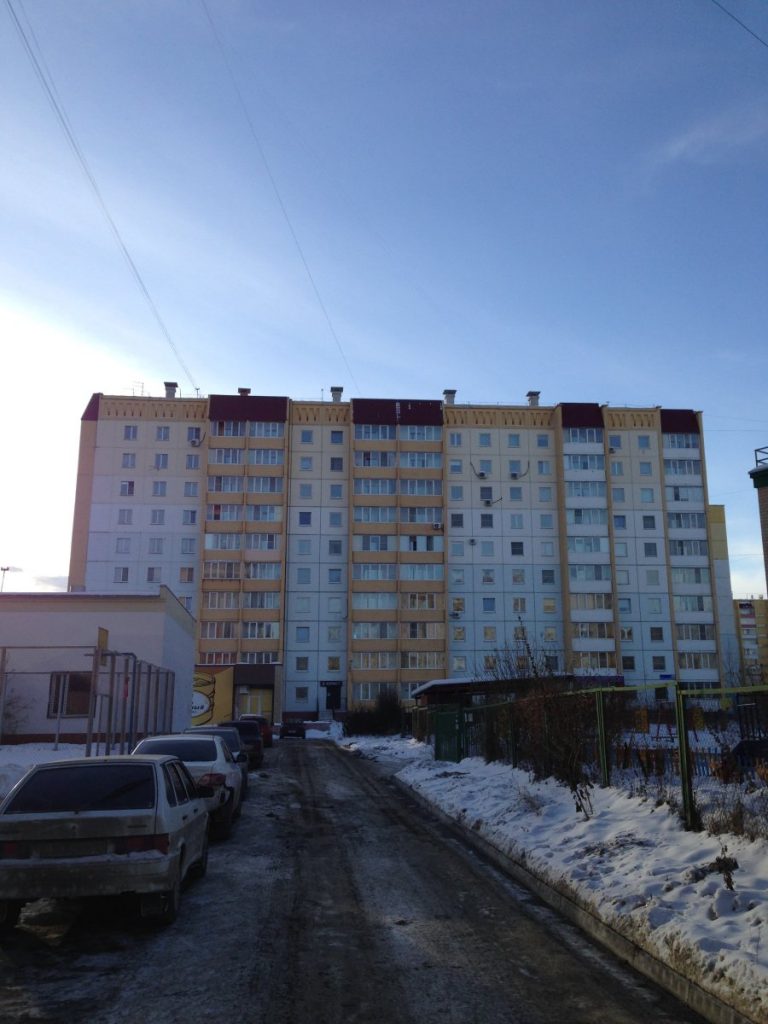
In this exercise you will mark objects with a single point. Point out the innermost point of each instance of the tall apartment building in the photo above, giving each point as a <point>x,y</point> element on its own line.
<point>752,623</point>
<point>329,549</point>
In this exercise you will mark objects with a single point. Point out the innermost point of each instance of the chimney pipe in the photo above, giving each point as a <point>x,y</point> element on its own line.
<point>243,392</point>
<point>170,388</point>
<point>533,398</point>
<point>336,393</point>
<point>449,394</point>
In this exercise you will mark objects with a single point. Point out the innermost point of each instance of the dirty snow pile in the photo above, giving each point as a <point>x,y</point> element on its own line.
<point>677,894</point>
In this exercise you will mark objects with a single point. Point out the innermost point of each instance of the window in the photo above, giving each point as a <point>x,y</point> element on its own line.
<point>154,574</point>
<point>545,493</point>
<point>650,550</point>
<point>652,578</point>
<point>515,493</point>
<point>488,575</point>
<point>157,517</point>
<point>486,520</point>
<point>193,462</point>
<point>455,466</point>
<point>518,605</point>
<point>486,494</point>
<point>334,634</point>
<point>186,574</point>
<point>303,575</point>
<point>337,437</point>
<point>189,516</point>
<point>513,440</point>
<point>305,490</point>
<point>334,519</point>
<point>484,440</point>
<point>619,522</point>
<point>624,605</point>
<point>305,463</point>
<point>130,432</point>
<point>657,634</point>
<point>305,518</point>
<point>457,519</point>
<point>516,521</point>
<point>334,575</point>
<point>547,576</point>
<point>617,468</point>
<point>306,436</point>
<point>649,522</point>
<point>162,434</point>
<point>190,489</point>
<point>644,441</point>
<point>542,440</point>
<point>337,464</point>
<point>304,546</point>
<point>456,492</point>
<point>654,605</point>
<point>454,439</point>
<point>336,492</point>
<point>658,663</point>
<point>543,467</point>
<point>161,460</point>
<point>334,663</point>
<point>159,488</point>
<point>302,664</point>
<point>120,574</point>
<point>614,441</point>
<point>622,577</point>
<point>123,546</point>
<point>547,548</point>
<point>302,694</point>
<point>547,521</point>
<point>76,686</point>
<point>302,634</point>
<point>646,495</point>
<point>129,460</point>
<point>155,545</point>
<point>621,548</point>
<point>549,606</point>
<point>646,469</point>
<point>489,634</point>
<point>124,516</point>
<point>487,548</point>
<point>334,547</point>
<point>126,488</point>
<point>628,662</point>
<point>489,604</point>
<point>518,577</point>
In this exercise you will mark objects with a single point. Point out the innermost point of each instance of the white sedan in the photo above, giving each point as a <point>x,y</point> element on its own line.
<point>210,763</point>
<point>103,826</point>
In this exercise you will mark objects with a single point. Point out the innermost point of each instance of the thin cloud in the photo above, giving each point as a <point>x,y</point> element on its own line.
<point>715,139</point>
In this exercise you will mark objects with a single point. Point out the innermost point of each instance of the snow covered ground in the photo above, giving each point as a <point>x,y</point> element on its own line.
<point>631,862</point>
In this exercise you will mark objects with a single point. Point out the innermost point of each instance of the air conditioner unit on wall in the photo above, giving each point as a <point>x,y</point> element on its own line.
<point>437,526</point>
<point>487,501</point>
<point>482,475</point>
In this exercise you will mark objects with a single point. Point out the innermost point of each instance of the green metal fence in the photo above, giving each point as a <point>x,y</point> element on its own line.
<point>701,738</point>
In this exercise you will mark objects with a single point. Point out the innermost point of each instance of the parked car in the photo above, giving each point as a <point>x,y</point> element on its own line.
<point>103,826</point>
<point>292,727</point>
<point>232,738</point>
<point>210,763</point>
<point>251,738</point>
<point>264,725</point>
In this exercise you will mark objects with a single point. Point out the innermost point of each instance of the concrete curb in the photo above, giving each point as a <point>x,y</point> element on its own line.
<point>568,905</point>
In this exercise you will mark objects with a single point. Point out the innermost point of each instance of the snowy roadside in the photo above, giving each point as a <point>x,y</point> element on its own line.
<point>631,864</point>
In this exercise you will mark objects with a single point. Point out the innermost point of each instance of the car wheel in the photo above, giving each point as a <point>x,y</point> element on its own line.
<point>200,866</point>
<point>222,823</point>
<point>9,913</point>
<point>170,905</point>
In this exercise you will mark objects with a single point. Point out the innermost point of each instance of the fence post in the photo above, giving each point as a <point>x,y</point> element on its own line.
<point>602,745</point>
<point>684,751</point>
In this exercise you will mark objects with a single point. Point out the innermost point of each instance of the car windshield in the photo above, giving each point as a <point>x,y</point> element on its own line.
<point>185,750</point>
<point>86,787</point>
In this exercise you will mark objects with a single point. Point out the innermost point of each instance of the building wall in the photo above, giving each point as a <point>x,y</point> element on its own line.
<point>385,542</point>
<point>47,633</point>
<point>751,616</point>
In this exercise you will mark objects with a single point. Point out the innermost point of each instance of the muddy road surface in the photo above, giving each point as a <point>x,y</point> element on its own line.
<point>336,901</point>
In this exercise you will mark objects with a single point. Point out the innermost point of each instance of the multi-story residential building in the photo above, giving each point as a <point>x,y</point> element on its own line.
<point>752,627</point>
<point>329,549</point>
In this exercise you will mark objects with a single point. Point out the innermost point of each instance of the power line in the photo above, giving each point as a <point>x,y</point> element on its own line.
<point>46,81</point>
<point>278,196</point>
<point>746,28</point>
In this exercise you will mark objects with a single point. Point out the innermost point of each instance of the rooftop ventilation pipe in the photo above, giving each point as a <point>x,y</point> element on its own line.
<point>533,398</point>
<point>170,388</point>
<point>449,394</point>
<point>336,393</point>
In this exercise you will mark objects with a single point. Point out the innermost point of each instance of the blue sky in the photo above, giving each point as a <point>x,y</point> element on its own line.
<point>394,197</point>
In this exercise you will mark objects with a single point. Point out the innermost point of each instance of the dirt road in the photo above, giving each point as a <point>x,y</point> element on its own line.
<point>335,901</point>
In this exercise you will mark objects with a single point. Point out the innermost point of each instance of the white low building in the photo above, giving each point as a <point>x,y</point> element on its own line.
<point>106,665</point>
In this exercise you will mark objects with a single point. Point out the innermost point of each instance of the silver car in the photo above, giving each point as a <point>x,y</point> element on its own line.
<point>103,826</point>
<point>210,763</point>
